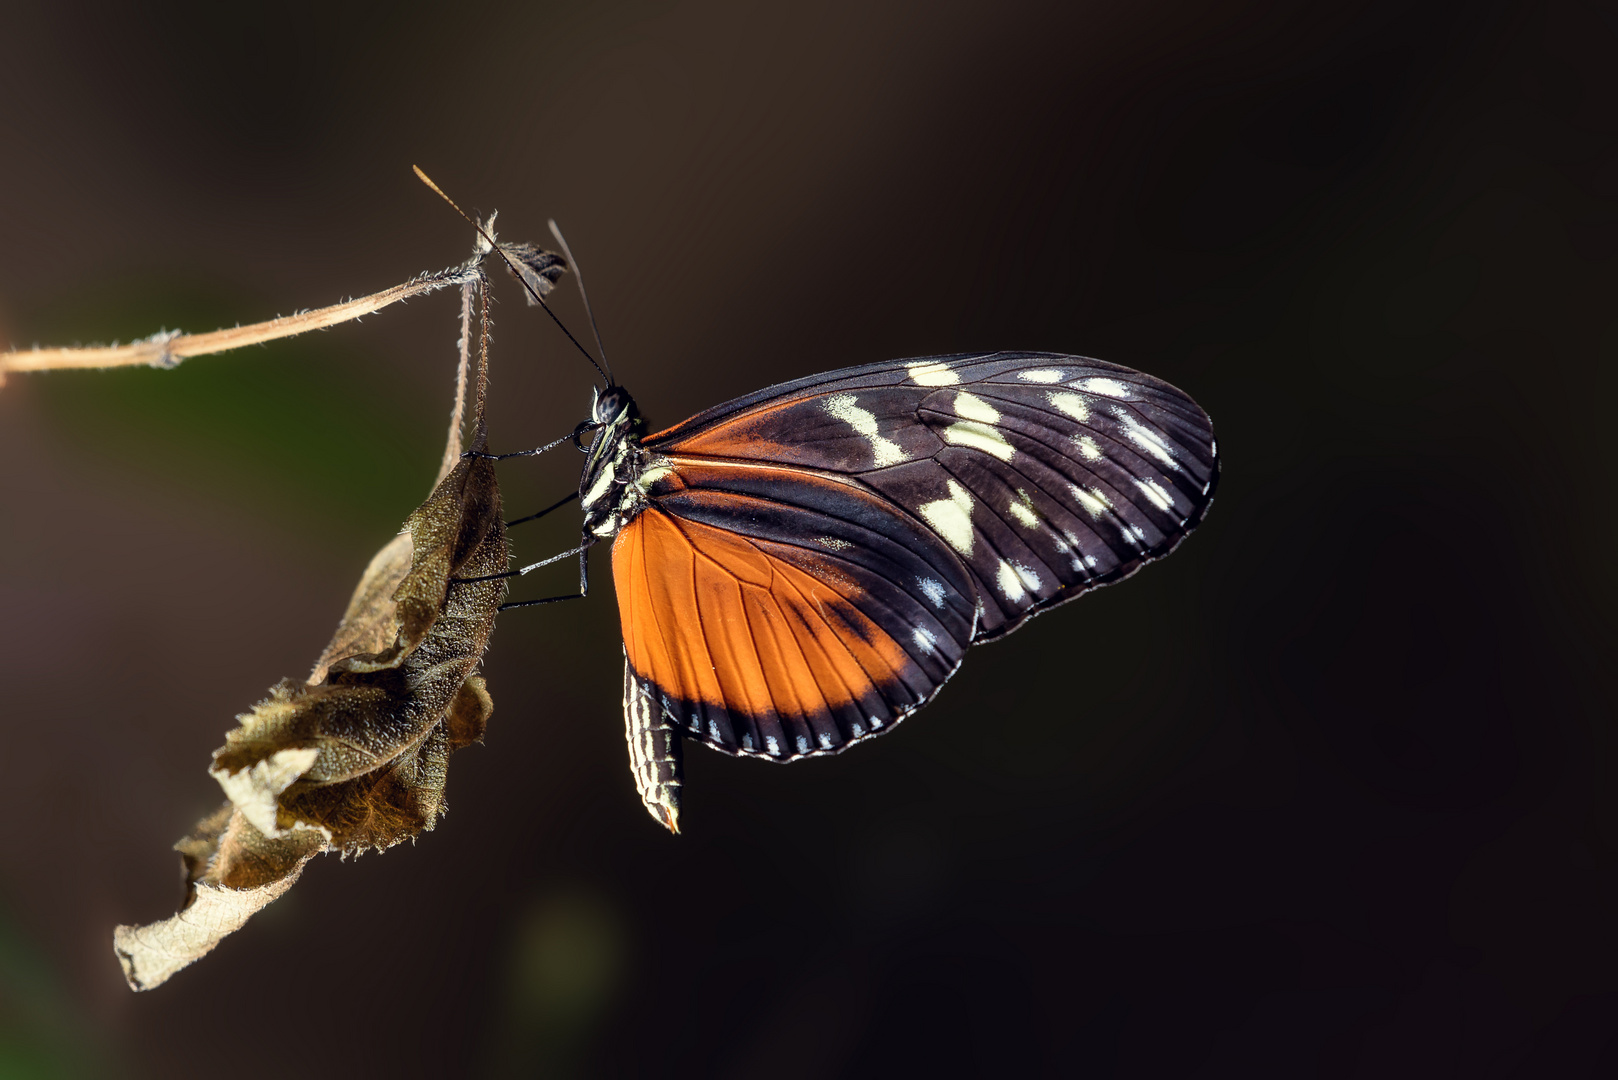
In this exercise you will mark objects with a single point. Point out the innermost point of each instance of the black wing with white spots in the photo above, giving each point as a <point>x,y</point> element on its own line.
<point>1047,475</point>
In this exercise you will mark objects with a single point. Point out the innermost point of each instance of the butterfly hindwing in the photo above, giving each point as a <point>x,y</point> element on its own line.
<point>783,613</point>
<point>1047,475</point>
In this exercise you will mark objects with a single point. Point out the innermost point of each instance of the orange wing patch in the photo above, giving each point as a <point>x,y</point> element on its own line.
<point>726,626</point>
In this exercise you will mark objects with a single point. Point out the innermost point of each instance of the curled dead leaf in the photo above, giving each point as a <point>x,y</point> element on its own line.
<point>355,757</point>
<point>373,709</point>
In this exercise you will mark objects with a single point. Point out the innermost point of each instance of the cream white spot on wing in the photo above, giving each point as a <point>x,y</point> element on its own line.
<point>833,543</point>
<point>979,437</point>
<point>825,741</point>
<point>771,746</point>
<point>1040,375</point>
<point>933,590</point>
<point>876,723</point>
<point>845,407</point>
<point>1147,439</point>
<point>1094,501</point>
<point>932,375</point>
<point>1160,498</point>
<point>747,740</point>
<point>1010,582</point>
<point>1087,447</point>
<point>1023,511</point>
<point>972,407</point>
<point>1104,387</point>
<point>803,744</point>
<point>1072,404</point>
<point>713,730</point>
<point>951,518</point>
<point>857,729</point>
<point>1029,578</point>
<point>924,640</point>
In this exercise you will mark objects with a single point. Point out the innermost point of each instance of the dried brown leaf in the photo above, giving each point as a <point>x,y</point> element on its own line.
<point>355,757</point>
<point>371,708</point>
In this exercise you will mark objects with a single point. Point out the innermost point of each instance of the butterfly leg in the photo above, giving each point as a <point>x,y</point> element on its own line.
<point>535,452</point>
<point>557,505</point>
<point>583,551</point>
<point>535,603</point>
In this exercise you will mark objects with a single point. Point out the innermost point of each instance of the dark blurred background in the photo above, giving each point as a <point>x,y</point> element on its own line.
<point>1329,793</point>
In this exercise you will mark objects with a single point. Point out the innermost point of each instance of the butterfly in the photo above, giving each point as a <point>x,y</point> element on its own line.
<point>801,569</point>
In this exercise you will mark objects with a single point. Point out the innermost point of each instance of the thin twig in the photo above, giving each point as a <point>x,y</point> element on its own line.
<point>480,430</point>
<point>452,445</point>
<point>168,349</point>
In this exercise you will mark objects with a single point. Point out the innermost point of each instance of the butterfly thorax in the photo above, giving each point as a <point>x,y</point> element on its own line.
<point>612,489</point>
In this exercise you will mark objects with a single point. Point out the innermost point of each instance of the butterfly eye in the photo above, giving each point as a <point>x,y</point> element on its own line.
<point>612,402</point>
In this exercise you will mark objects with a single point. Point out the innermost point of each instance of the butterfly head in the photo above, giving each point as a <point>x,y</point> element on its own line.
<point>612,404</point>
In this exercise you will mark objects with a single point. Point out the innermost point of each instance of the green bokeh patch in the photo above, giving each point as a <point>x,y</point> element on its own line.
<point>312,424</point>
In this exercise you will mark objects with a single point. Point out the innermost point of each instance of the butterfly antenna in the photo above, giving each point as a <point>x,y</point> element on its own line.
<point>540,300</point>
<point>578,276</point>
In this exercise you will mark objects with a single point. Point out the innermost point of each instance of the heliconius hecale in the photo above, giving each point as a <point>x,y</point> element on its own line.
<point>800,569</point>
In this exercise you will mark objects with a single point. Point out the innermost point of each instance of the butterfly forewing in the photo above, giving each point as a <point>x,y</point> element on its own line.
<point>1045,474</point>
